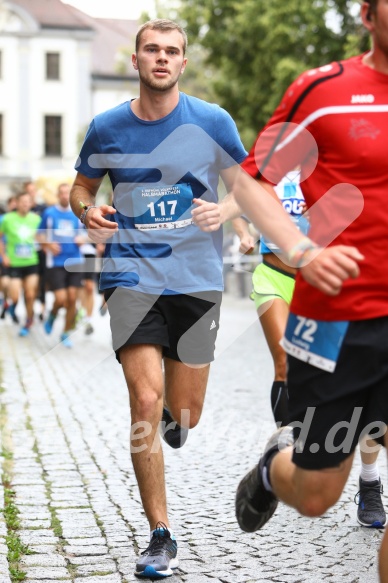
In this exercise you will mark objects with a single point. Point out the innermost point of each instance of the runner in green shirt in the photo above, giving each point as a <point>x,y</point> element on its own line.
<point>18,251</point>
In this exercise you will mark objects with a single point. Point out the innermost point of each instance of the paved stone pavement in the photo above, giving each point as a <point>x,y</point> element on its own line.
<point>65,451</point>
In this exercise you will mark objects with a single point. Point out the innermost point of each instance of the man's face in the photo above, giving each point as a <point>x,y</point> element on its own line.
<point>160,59</point>
<point>24,204</point>
<point>64,196</point>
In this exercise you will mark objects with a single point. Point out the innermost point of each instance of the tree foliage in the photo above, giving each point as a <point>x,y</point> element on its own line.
<point>256,48</point>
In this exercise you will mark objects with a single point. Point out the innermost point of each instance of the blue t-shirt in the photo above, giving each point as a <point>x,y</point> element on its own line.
<point>291,197</point>
<point>156,168</point>
<point>61,226</point>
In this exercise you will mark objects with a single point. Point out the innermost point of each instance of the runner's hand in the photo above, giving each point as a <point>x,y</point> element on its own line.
<point>247,244</point>
<point>54,248</point>
<point>327,269</point>
<point>206,215</point>
<point>80,240</point>
<point>99,228</point>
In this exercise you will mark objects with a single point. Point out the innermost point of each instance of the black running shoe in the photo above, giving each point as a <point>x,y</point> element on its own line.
<point>4,310</point>
<point>172,433</point>
<point>160,557</point>
<point>370,510</point>
<point>254,504</point>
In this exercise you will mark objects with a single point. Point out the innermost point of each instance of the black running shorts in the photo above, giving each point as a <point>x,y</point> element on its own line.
<point>23,272</point>
<point>92,267</point>
<point>333,410</point>
<point>4,271</point>
<point>184,325</point>
<point>59,278</point>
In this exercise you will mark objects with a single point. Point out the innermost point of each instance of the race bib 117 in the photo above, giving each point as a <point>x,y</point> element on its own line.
<point>164,207</point>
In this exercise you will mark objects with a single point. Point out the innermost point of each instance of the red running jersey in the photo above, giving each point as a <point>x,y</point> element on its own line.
<point>333,122</point>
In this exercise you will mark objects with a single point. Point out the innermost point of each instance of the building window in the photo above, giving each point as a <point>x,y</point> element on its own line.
<point>1,134</point>
<point>53,135</point>
<point>52,66</point>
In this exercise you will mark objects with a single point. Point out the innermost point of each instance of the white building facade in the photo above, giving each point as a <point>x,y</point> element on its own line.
<point>54,77</point>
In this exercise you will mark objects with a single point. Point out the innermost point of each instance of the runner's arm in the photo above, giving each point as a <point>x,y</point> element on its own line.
<point>83,193</point>
<point>209,216</point>
<point>3,253</point>
<point>247,241</point>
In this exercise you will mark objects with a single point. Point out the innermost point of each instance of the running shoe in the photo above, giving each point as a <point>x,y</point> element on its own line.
<point>49,323</point>
<point>11,311</point>
<point>89,329</point>
<point>160,557</point>
<point>66,340</point>
<point>4,310</point>
<point>254,504</point>
<point>25,330</point>
<point>370,510</point>
<point>172,433</point>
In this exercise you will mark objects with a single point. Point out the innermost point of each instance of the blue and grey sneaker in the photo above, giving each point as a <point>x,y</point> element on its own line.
<point>160,557</point>
<point>172,432</point>
<point>254,504</point>
<point>370,510</point>
<point>49,323</point>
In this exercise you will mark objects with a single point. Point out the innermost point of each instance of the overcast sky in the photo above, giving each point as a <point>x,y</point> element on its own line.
<point>127,9</point>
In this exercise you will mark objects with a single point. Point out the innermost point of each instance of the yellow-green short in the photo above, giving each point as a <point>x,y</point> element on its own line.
<point>270,283</point>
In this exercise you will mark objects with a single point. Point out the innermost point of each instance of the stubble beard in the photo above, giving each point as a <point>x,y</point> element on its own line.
<point>160,86</point>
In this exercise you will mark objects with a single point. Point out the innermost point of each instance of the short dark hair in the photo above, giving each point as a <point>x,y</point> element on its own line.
<point>164,25</point>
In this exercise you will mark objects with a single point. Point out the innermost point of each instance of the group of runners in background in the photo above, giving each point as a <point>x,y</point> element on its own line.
<point>46,248</point>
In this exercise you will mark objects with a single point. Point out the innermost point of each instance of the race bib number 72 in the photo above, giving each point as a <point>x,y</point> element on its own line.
<point>314,341</point>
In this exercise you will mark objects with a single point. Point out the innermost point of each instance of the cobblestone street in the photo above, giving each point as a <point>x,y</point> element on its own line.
<point>66,468</point>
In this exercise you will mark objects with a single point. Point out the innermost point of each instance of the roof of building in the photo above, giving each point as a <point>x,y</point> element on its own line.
<point>110,35</point>
<point>51,13</point>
